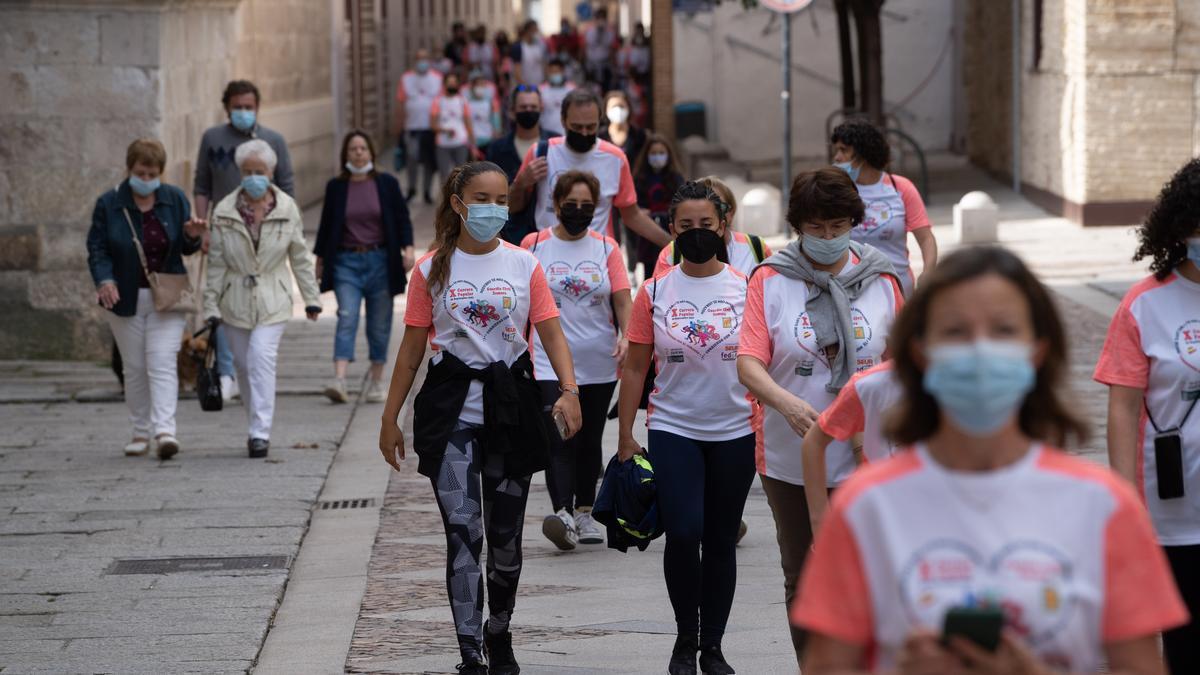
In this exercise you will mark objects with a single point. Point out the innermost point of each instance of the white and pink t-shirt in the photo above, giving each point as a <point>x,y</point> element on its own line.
<point>861,407</point>
<point>605,161</point>
<point>1153,344</point>
<point>416,93</point>
<point>778,332</point>
<point>483,111</point>
<point>893,209</point>
<point>582,275</point>
<point>694,324</point>
<point>452,113</point>
<point>741,255</point>
<point>1061,545</point>
<point>481,313</point>
<point>552,100</point>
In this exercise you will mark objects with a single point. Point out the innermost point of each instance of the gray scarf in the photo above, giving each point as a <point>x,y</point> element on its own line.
<point>829,299</point>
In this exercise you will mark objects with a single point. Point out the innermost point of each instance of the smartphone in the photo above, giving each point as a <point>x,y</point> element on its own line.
<point>561,424</point>
<point>1168,464</point>
<point>981,625</point>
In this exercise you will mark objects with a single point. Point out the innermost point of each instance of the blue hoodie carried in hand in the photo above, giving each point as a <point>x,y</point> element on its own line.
<point>627,503</point>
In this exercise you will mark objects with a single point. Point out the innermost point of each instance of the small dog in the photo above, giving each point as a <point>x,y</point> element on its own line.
<point>191,360</point>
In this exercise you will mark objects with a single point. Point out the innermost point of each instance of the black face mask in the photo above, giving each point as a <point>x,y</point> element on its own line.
<point>452,91</point>
<point>580,142</point>
<point>698,245</point>
<point>528,119</point>
<point>576,218</point>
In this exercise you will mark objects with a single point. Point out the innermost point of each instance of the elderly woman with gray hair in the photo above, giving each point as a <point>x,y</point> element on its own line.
<point>256,230</point>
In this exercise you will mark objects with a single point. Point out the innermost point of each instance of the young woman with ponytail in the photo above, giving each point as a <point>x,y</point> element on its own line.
<point>478,429</point>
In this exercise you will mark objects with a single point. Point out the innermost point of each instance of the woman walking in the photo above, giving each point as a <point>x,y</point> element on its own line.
<point>256,231</point>
<point>477,420</point>
<point>364,248</point>
<point>584,271</point>
<point>143,219</point>
<point>700,442</point>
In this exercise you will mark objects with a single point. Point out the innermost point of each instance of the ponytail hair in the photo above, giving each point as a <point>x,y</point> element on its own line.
<point>448,224</point>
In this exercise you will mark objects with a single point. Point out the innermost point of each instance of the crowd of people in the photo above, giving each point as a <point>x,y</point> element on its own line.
<point>907,431</point>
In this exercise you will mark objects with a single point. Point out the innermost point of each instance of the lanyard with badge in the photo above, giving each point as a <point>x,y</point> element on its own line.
<point>1168,454</point>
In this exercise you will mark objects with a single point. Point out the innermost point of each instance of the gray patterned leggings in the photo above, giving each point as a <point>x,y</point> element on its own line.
<point>468,511</point>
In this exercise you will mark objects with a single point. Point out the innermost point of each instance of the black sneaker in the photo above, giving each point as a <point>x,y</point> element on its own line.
<point>712,661</point>
<point>474,666</point>
<point>683,656</point>
<point>499,652</point>
<point>258,447</point>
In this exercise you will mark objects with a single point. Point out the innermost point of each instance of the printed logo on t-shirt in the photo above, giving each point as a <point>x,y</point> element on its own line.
<point>1187,344</point>
<point>806,339</point>
<point>675,356</point>
<point>574,283</point>
<point>701,329</point>
<point>1036,579</point>
<point>481,310</point>
<point>877,214</point>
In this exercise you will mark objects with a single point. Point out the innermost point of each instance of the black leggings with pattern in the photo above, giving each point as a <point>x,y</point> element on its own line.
<point>477,502</point>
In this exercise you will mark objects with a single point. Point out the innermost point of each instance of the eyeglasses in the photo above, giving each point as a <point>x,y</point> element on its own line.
<point>524,88</point>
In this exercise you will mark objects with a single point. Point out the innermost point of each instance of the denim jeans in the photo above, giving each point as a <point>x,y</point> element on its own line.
<point>224,354</point>
<point>358,277</point>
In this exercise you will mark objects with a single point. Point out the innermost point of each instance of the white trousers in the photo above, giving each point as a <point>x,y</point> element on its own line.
<point>255,353</point>
<point>149,342</point>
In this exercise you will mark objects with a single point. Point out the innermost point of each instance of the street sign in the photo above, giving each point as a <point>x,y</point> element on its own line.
<point>785,6</point>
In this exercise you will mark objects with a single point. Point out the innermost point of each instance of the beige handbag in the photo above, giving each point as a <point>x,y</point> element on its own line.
<point>171,292</point>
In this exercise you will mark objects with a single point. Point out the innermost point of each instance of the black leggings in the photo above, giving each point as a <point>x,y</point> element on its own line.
<point>575,465</point>
<point>1182,645</point>
<point>476,501</point>
<point>702,489</point>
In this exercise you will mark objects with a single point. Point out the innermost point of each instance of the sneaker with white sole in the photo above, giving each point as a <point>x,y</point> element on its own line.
<point>336,390</point>
<point>585,525</point>
<point>137,447</point>
<point>375,392</point>
<point>229,388</point>
<point>560,529</point>
<point>167,446</point>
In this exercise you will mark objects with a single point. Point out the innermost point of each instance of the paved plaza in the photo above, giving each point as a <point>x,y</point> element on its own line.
<point>334,563</point>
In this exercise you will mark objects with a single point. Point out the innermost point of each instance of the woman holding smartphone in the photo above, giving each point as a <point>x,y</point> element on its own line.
<point>478,429</point>
<point>590,287</point>
<point>1151,365</point>
<point>980,530</point>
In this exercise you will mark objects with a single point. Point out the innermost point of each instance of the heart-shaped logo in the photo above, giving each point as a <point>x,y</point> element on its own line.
<point>574,283</point>
<point>481,308</point>
<point>1187,344</point>
<point>701,329</point>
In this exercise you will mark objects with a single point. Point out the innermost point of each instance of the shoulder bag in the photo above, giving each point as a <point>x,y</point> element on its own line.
<point>171,292</point>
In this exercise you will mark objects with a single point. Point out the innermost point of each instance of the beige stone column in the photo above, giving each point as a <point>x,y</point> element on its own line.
<point>662,49</point>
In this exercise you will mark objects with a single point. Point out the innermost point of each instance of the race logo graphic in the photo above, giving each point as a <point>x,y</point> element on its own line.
<point>701,329</point>
<point>1030,581</point>
<point>1187,344</point>
<point>861,328</point>
<point>480,308</point>
<point>574,283</point>
<point>806,339</point>
<point>877,215</point>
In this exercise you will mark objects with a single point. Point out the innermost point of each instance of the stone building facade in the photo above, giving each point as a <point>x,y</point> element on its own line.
<point>1108,95</point>
<point>80,79</point>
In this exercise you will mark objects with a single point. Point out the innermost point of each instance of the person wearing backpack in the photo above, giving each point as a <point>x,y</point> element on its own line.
<point>746,251</point>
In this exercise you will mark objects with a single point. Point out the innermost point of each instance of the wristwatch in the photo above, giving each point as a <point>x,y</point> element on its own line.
<point>572,389</point>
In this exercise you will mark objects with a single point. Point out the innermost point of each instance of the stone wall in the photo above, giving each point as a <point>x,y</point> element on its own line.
<point>80,80</point>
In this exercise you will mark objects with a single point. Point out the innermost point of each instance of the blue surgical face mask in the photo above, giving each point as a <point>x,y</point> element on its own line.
<point>255,186</point>
<point>557,79</point>
<point>143,188</point>
<point>825,251</point>
<point>242,120</point>
<point>422,66</point>
<point>484,221</point>
<point>1193,250</point>
<point>850,169</point>
<point>980,385</point>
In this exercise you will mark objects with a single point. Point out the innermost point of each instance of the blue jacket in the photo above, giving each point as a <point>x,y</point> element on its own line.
<point>111,253</point>
<point>503,153</point>
<point>397,228</point>
<point>627,503</point>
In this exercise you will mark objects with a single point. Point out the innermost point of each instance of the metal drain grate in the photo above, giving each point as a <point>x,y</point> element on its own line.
<point>171,565</point>
<point>340,504</point>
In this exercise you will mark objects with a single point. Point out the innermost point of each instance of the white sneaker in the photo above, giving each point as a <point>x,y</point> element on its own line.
<point>336,390</point>
<point>229,388</point>
<point>168,446</point>
<point>589,531</point>
<point>375,392</point>
<point>137,448</point>
<point>560,529</point>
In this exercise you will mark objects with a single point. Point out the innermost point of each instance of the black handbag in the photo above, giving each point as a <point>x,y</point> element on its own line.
<point>208,381</point>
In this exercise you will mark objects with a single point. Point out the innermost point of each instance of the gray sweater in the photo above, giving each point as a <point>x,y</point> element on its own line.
<point>216,173</point>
